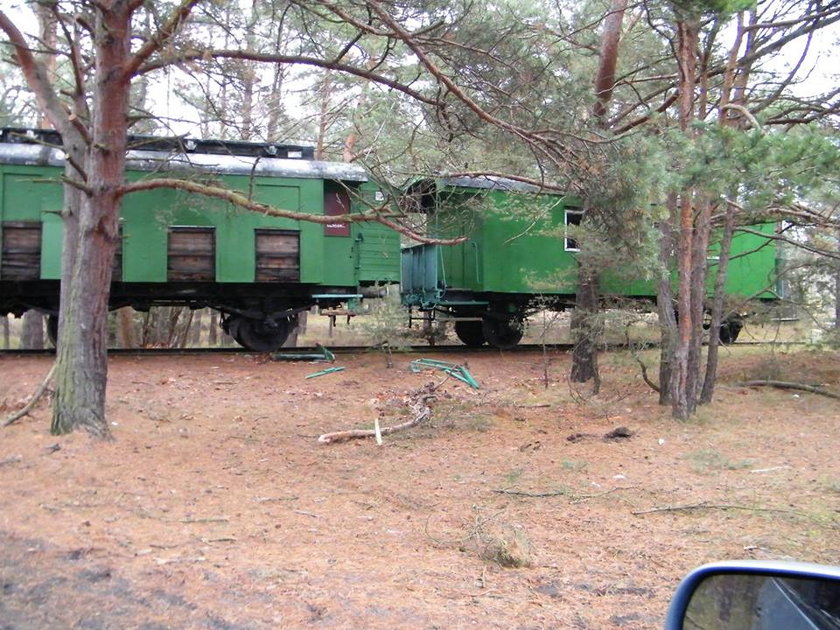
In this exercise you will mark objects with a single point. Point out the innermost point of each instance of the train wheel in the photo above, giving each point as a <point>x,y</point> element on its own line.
<point>471,333</point>
<point>258,335</point>
<point>503,333</point>
<point>730,329</point>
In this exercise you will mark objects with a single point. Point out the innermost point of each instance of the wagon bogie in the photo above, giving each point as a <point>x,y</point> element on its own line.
<point>470,332</point>
<point>503,332</point>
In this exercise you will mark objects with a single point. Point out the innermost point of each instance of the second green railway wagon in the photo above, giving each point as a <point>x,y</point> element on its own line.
<point>519,254</point>
<point>178,248</point>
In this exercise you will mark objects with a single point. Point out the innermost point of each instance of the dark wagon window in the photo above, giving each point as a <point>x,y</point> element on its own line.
<point>336,202</point>
<point>21,258</point>
<point>191,254</point>
<point>573,217</point>
<point>116,268</point>
<point>278,255</point>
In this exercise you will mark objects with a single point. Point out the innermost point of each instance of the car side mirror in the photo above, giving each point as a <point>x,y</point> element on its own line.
<point>755,595</point>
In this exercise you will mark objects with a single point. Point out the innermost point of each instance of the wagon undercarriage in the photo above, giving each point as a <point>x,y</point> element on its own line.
<point>258,317</point>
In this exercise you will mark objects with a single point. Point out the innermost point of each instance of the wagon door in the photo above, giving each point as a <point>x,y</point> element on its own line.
<point>461,264</point>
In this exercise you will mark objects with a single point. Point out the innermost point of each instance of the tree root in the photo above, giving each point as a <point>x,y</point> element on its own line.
<point>645,376</point>
<point>786,385</point>
<point>641,363</point>
<point>42,388</point>
<point>419,405</point>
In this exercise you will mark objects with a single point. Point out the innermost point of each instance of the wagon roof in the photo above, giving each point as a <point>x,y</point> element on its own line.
<point>490,182</point>
<point>180,161</point>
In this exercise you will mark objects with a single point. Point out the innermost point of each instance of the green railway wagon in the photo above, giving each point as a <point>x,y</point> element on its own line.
<point>520,252</point>
<point>178,248</point>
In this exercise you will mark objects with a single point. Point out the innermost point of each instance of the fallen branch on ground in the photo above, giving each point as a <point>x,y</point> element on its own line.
<point>32,401</point>
<point>574,498</point>
<point>418,404</point>
<point>786,385</point>
<point>713,506</point>
<point>535,495</point>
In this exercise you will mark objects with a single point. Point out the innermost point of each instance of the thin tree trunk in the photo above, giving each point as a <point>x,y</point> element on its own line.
<point>32,335</point>
<point>213,329</point>
<point>249,79</point>
<point>275,96</point>
<point>195,329</point>
<point>125,327</point>
<point>7,335</point>
<point>836,287</point>
<point>733,90</point>
<point>324,123</point>
<point>699,268</point>
<point>717,315</point>
<point>665,304</point>
<point>585,328</point>
<point>184,329</point>
<point>171,331</point>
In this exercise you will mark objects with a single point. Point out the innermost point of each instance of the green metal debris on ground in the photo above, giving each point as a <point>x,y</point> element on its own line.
<point>323,372</point>
<point>322,354</point>
<point>452,369</point>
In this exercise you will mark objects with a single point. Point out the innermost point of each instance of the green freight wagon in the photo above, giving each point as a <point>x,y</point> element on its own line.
<point>519,253</point>
<point>179,248</point>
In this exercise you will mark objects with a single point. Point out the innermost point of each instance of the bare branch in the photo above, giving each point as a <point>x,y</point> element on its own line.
<point>166,32</point>
<point>241,201</point>
<point>327,64</point>
<point>548,145</point>
<point>36,75</point>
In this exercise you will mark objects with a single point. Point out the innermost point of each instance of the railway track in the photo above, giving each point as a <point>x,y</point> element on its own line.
<point>303,350</point>
<point>339,350</point>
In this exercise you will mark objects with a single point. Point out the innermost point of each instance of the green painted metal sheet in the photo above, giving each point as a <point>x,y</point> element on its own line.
<point>368,255</point>
<point>515,243</point>
<point>52,231</point>
<point>752,266</point>
<point>516,246</point>
<point>35,194</point>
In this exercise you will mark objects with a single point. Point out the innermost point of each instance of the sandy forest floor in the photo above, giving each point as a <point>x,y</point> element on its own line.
<point>216,507</point>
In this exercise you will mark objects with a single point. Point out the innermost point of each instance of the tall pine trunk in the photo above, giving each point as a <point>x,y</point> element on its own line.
<point>82,360</point>
<point>32,335</point>
<point>684,381</point>
<point>837,287</point>
<point>585,327</point>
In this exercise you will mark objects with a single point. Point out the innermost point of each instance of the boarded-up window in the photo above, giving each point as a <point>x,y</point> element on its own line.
<point>21,258</point>
<point>336,203</point>
<point>278,255</point>
<point>192,254</point>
